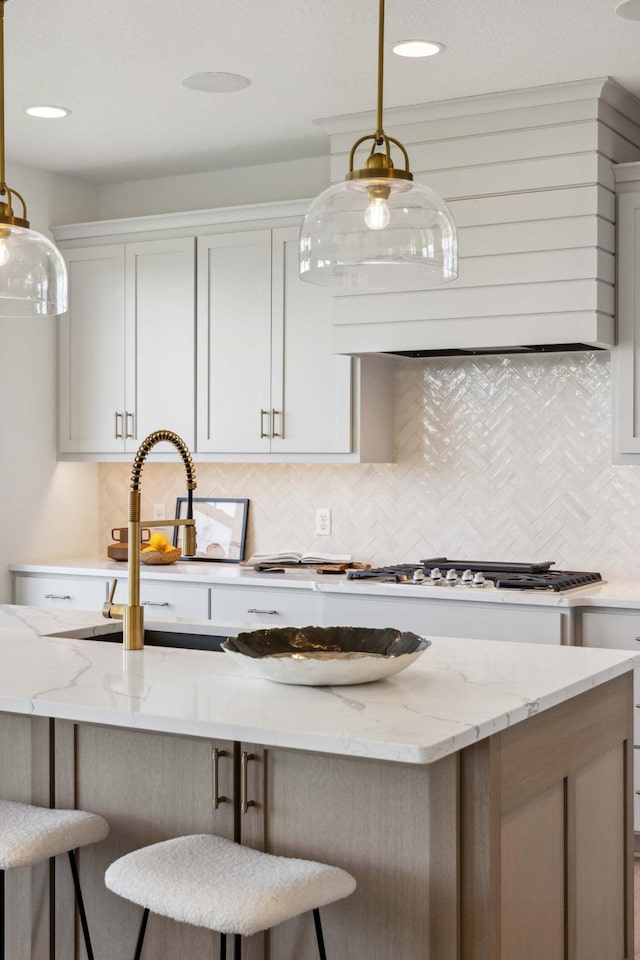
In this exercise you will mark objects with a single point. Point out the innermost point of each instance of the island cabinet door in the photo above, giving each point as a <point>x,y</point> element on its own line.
<point>149,787</point>
<point>546,834</point>
<point>24,778</point>
<point>391,825</point>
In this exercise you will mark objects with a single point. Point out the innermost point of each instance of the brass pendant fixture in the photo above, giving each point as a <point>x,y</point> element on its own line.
<point>33,274</point>
<point>379,229</point>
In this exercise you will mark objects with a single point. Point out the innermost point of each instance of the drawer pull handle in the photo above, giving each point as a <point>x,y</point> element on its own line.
<point>244,764</point>
<point>129,421</point>
<point>118,428</point>
<point>155,603</point>
<point>263,414</point>
<point>271,613</point>
<point>274,414</point>
<point>57,596</point>
<point>217,799</point>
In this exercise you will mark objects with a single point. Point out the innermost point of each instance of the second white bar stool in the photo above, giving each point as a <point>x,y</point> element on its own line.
<point>212,882</point>
<point>29,835</point>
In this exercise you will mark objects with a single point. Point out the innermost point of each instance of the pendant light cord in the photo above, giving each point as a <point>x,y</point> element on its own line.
<point>379,132</point>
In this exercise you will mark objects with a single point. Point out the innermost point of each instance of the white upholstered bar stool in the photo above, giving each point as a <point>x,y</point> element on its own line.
<point>29,835</point>
<point>214,883</point>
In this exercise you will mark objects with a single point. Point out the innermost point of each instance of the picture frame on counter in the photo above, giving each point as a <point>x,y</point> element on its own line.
<point>221,528</point>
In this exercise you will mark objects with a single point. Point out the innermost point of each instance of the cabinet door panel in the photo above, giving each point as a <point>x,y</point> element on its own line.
<point>311,387</point>
<point>626,355</point>
<point>234,341</point>
<point>149,787</point>
<point>160,310</point>
<point>91,365</point>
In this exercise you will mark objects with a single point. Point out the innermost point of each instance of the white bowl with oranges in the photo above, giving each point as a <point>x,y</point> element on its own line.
<point>159,550</point>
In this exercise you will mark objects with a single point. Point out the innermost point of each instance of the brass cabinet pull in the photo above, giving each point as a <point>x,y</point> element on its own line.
<point>155,603</point>
<point>263,414</point>
<point>57,596</point>
<point>271,613</point>
<point>244,763</point>
<point>118,432</point>
<point>217,799</point>
<point>129,434</point>
<point>274,414</point>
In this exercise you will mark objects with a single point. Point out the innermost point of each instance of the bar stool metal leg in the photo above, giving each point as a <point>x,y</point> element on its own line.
<point>223,946</point>
<point>319,937</point>
<point>237,947</point>
<point>80,902</point>
<point>1,914</point>
<point>143,930</point>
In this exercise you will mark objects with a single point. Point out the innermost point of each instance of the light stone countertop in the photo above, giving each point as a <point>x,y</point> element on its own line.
<point>614,593</point>
<point>457,693</point>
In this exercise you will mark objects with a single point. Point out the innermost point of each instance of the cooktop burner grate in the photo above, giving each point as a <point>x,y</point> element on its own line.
<point>508,576</point>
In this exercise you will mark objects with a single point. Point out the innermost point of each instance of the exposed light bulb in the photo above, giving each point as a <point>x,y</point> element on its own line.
<point>377,214</point>
<point>4,252</point>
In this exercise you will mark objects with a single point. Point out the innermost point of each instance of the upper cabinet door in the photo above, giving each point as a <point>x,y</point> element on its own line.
<point>92,352</point>
<point>311,387</point>
<point>234,342</point>
<point>160,345</point>
<point>626,355</point>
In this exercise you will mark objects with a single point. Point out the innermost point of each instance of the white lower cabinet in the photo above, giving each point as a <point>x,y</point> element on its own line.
<point>71,593</point>
<point>186,600</point>
<point>272,605</point>
<point>439,618</point>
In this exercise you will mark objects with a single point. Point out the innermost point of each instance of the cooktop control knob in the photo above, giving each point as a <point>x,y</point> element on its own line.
<point>418,576</point>
<point>452,578</point>
<point>435,576</point>
<point>467,578</point>
<point>478,579</point>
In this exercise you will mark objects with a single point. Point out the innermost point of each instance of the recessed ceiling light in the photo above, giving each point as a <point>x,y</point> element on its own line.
<point>47,112</point>
<point>629,9</point>
<point>419,48</point>
<point>216,82</point>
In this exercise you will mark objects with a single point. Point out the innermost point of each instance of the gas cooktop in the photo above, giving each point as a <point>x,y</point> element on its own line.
<point>440,571</point>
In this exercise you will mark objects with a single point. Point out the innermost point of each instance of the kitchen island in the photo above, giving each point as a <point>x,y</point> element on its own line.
<point>481,798</point>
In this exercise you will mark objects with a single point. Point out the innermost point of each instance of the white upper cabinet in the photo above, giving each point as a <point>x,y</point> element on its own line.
<point>199,323</point>
<point>126,363</point>
<point>267,380</point>
<point>92,352</point>
<point>626,355</point>
<point>160,312</point>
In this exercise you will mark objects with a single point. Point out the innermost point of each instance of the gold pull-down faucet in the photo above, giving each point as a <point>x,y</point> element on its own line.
<point>132,613</point>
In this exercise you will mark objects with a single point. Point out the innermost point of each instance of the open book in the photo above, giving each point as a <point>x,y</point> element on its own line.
<point>292,556</point>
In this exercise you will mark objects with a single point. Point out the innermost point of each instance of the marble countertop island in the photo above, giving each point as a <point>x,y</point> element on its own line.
<point>459,692</point>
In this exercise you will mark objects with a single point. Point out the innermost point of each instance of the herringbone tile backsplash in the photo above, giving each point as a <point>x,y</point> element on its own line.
<point>504,458</point>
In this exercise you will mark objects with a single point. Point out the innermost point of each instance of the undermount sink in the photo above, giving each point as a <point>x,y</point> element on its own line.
<point>155,635</point>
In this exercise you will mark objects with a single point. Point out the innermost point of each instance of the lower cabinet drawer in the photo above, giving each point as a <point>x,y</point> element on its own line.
<point>80,593</point>
<point>441,618</point>
<point>296,608</point>
<point>169,599</point>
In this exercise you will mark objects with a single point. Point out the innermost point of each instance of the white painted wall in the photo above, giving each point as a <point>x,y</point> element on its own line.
<point>47,509</point>
<point>289,180</point>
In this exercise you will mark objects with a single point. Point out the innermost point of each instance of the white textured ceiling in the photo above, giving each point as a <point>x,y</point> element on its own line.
<point>118,66</point>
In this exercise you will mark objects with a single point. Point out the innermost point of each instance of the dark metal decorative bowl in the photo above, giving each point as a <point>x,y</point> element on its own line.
<point>316,656</point>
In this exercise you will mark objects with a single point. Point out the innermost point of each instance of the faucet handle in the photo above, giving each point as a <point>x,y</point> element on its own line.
<point>111,610</point>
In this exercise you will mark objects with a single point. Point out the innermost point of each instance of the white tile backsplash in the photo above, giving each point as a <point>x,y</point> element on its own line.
<point>503,458</point>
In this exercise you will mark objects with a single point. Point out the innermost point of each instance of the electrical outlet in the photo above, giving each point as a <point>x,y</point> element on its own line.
<point>323,521</point>
<point>159,512</point>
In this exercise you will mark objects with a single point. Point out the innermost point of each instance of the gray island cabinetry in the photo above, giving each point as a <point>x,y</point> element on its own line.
<point>481,798</point>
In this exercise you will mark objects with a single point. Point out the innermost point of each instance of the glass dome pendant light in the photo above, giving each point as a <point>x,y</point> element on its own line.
<point>378,230</point>
<point>33,274</point>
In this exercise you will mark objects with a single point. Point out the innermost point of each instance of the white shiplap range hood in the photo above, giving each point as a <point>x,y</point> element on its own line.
<point>528,177</point>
